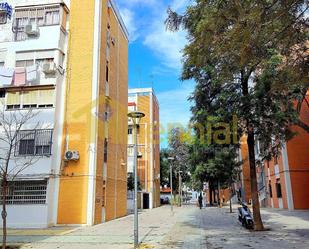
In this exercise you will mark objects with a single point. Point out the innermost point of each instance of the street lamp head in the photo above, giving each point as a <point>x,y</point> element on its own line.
<point>135,115</point>
<point>171,158</point>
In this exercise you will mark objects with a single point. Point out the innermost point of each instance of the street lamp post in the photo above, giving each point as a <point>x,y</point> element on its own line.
<point>136,117</point>
<point>180,188</point>
<point>171,159</point>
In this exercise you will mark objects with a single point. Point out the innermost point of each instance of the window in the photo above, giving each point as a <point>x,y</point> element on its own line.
<point>108,36</point>
<point>24,63</point>
<point>106,113</point>
<point>34,143</point>
<point>26,192</point>
<point>3,17</point>
<point>19,27</point>
<point>130,151</point>
<point>40,16</point>
<point>270,190</point>
<point>1,63</point>
<point>130,131</point>
<point>27,145</point>
<point>30,99</point>
<point>46,98</point>
<point>40,62</point>
<point>2,94</point>
<point>13,100</point>
<point>52,17</point>
<point>105,150</point>
<point>107,72</point>
<point>278,189</point>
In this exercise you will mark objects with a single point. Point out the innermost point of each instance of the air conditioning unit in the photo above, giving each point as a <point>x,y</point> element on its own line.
<point>32,30</point>
<point>71,155</point>
<point>49,68</point>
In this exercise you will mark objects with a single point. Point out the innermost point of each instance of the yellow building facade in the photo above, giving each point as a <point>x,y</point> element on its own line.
<point>93,189</point>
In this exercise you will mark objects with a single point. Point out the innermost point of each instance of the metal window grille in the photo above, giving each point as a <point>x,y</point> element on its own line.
<point>34,143</point>
<point>26,192</point>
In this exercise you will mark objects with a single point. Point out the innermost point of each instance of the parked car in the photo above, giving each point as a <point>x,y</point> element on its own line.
<point>164,200</point>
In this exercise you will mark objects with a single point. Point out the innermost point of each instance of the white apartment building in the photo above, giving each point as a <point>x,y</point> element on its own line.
<point>33,54</point>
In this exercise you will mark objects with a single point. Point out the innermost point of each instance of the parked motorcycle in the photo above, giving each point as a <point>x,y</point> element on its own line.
<point>245,217</point>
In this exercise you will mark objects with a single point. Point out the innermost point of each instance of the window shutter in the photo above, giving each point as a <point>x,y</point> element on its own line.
<point>13,98</point>
<point>21,13</point>
<point>32,13</point>
<point>30,98</point>
<point>40,12</point>
<point>46,97</point>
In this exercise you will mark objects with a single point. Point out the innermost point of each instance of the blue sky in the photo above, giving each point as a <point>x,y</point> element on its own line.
<point>155,56</point>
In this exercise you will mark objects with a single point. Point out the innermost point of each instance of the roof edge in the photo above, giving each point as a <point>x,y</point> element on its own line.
<point>118,15</point>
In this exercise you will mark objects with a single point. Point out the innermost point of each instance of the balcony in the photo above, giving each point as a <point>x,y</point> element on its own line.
<point>45,72</point>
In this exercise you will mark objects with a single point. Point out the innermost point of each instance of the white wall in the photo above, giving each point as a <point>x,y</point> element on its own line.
<point>27,216</point>
<point>51,38</point>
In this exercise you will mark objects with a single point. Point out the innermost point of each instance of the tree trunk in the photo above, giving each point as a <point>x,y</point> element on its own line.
<point>231,196</point>
<point>210,195</point>
<point>4,213</point>
<point>219,195</point>
<point>258,224</point>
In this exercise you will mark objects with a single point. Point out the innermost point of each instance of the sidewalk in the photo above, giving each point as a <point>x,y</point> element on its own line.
<point>188,228</point>
<point>153,226</point>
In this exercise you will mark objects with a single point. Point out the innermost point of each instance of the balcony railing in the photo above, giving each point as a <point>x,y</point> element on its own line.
<point>34,143</point>
<point>43,73</point>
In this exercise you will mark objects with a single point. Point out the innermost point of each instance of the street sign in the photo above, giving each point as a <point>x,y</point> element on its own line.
<point>7,8</point>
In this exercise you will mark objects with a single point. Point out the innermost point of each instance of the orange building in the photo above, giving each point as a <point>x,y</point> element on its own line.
<point>144,100</point>
<point>284,181</point>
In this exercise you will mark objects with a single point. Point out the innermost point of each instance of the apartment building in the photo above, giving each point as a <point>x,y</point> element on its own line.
<point>144,100</point>
<point>67,61</point>
<point>283,181</point>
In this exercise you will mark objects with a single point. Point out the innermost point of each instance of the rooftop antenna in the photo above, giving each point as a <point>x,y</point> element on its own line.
<point>151,79</point>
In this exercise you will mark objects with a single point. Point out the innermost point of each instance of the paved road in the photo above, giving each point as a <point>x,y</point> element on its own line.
<point>188,228</point>
<point>214,228</point>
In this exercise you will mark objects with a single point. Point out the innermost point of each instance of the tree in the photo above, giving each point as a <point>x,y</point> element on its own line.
<point>212,114</point>
<point>130,182</point>
<point>12,125</point>
<point>179,149</point>
<point>164,167</point>
<point>257,49</point>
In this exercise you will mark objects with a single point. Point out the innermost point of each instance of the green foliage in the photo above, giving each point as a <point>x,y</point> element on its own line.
<point>179,149</point>
<point>164,167</point>
<point>130,183</point>
<point>248,58</point>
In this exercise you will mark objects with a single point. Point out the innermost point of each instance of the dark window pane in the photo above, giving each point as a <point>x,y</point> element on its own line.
<point>278,189</point>
<point>26,147</point>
